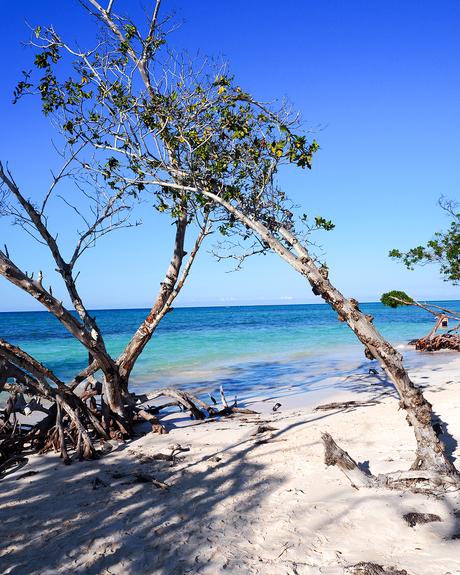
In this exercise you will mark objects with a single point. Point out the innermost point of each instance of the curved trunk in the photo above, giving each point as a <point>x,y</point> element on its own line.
<point>430,452</point>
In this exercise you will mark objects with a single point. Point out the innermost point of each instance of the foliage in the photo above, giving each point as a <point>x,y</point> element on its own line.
<point>187,128</point>
<point>396,298</point>
<point>443,249</point>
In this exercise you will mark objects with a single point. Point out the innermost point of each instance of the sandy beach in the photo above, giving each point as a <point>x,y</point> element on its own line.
<point>250,494</point>
<point>162,415</point>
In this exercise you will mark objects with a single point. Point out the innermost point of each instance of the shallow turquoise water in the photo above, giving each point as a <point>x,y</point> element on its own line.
<point>250,349</point>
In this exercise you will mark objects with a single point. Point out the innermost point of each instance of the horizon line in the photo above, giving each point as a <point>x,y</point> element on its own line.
<point>214,306</point>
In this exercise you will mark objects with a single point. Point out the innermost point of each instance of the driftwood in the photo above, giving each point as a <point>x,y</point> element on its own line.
<point>146,478</point>
<point>344,405</point>
<point>414,518</point>
<point>189,402</point>
<point>438,342</point>
<point>334,455</point>
<point>76,426</point>
<point>263,429</point>
<point>374,569</point>
<point>418,480</point>
<point>172,456</point>
<point>137,477</point>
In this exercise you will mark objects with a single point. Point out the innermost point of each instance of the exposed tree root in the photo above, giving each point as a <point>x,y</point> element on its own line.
<point>419,480</point>
<point>74,426</point>
<point>438,342</point>
<point>157,427</point>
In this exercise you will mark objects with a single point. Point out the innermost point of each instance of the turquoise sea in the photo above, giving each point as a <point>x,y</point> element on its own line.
<point>252,350</point>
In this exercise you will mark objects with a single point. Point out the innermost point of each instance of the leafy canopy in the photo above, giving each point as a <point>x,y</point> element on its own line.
<point>443,249</point>
<point>396,298</point>
<point>154,122</point>
<point>182,126</point>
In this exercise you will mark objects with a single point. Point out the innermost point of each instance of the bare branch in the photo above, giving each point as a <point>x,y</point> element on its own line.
<point>17,277</point>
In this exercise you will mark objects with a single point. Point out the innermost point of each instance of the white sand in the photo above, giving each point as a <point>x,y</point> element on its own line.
<point>237,505</point>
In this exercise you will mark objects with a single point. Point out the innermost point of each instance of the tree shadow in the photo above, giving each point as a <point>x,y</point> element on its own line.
<point>95,518</point>
<point>100,521</point>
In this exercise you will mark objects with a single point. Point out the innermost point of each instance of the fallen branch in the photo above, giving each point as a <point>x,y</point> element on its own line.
<point>198,408</point>
<point>146,478</point>
<point>373,569</point>
<point>335,455</point>
<point>344,405</point>
<point>417,480</point>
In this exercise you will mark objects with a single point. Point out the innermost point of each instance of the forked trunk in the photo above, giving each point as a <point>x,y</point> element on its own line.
<point>113,387</point>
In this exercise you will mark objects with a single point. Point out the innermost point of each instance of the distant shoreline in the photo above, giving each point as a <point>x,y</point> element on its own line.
<point>221,306</point>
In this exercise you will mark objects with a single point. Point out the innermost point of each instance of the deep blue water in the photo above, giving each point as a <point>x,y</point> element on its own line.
<point>250,349</point>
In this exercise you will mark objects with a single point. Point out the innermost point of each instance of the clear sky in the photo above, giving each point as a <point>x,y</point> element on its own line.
<point>379,82</point>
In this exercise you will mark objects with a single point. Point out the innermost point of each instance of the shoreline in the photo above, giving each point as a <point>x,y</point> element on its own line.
<point>312,370</point>
<point>246,495</point>
<point>248,348</point>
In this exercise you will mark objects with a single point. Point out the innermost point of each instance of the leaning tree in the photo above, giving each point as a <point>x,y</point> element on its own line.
<point>157,123</point>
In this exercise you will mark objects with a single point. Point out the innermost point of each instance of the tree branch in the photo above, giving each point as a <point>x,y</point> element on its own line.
<point>162,302</point>
<point>17,277</point>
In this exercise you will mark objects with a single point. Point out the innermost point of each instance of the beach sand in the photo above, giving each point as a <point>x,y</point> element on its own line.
<point>239,501</point>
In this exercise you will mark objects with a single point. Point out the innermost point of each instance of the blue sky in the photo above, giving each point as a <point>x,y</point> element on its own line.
<point>378,81</point>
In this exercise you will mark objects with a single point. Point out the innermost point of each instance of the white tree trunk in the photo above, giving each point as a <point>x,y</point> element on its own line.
<point>430,452</point>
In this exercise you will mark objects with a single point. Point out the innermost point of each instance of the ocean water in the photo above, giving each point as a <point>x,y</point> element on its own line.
<point>251,350</point>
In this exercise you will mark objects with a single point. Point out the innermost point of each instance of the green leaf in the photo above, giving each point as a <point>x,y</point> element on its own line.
<point>396,298</point>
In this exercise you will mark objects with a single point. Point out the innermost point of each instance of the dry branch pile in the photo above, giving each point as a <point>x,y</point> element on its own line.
<point>438,342</point>
<point>79,426</point>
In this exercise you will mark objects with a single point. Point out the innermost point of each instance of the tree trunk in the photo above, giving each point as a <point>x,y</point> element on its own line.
<point>430,452</point>
<point>144,332</point>
<point>115,396</point>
